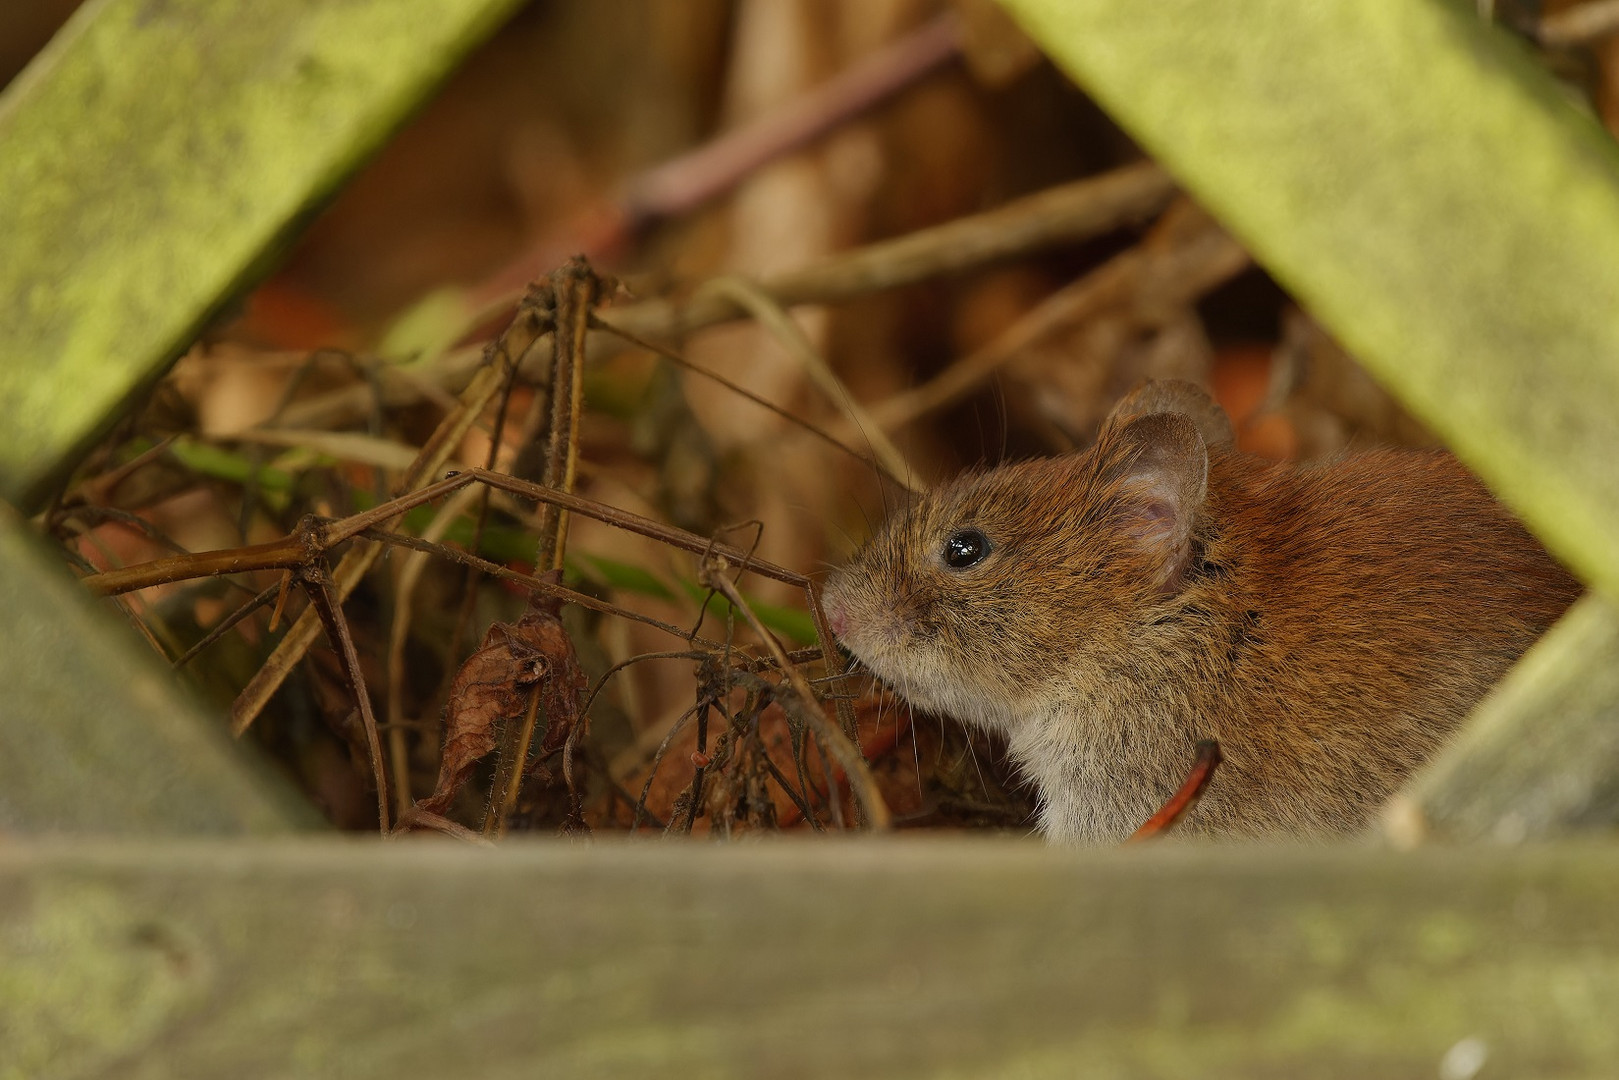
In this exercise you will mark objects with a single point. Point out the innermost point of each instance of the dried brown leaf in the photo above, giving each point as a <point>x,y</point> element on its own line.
<point>496,685</point>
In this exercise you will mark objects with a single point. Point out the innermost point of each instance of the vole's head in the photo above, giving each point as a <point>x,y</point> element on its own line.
<point>994,595</point>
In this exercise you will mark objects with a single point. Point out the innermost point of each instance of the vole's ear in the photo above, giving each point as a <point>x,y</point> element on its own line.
<point>1176,396</point>
<point>1158,467</point>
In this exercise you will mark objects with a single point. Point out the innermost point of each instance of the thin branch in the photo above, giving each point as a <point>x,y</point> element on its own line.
<point>317,582</point>
<point>539,585</point>
<point>801,699</point>
<point>686,182</point>
<point>315,538</point>
<point>799,800</point>
<point>1060,215</point>
<point>1195,264</point>
<point>290,551</point>
<point>224,625</point>
<point>657,761</point>
<point>601,683</point>
<point>357,563</point>
<point>680,186</point>
<point>1583,24</point>
<point>622,519</point>
<point>509,768</point>
<point>576,290</point>
<point>410,575</point>
<point>1064,214</point>
<point>416,818</point>
<point>713,690</point>
<point>96,490</point>
<point>769,406</point>
<point>775,318</point>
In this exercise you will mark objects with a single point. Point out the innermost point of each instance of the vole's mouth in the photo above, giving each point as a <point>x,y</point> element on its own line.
<point>880,649</point>
<point>926,677</point>
<point>913,665</point>
<point>919,678</point>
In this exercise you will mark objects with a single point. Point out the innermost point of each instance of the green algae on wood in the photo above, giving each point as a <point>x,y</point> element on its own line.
<point>153,156</point>
<point>892,958</point>
<point>96,737</point>
<point>1407,172</point>
<point>1540,756</point>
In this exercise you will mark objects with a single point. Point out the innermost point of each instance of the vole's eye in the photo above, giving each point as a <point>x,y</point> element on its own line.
<point>966,547</point>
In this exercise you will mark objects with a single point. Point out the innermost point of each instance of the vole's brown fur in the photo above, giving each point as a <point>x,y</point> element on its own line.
<point>1329,624</point>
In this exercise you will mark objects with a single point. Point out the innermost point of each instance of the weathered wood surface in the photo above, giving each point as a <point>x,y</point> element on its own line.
<point>893,959</point>
<point>96,736</point>
<point>1425,189</point>
<point>153,155</point>
<point>1540,756</point>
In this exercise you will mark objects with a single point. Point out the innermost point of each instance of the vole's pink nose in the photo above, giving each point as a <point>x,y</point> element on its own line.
<point>836,617</point>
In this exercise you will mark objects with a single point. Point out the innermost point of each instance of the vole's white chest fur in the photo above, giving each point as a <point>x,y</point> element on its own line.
<point>1098,780</point>
<point>1101,768</point>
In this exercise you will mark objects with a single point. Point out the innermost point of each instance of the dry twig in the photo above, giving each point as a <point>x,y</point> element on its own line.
<point>1176,272</point>
<point>799,700</point>
<point>775,318</point>
<point>1064,214</point>
<point>1582,24</point>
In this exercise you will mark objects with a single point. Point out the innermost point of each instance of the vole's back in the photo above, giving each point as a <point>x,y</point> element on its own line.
<point>1367,606</point>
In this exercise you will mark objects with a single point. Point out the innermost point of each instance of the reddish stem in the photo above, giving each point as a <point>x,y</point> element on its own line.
<point>1180,803</point>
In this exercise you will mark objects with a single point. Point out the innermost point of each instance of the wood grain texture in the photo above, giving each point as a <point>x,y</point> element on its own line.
<point>419,959</point>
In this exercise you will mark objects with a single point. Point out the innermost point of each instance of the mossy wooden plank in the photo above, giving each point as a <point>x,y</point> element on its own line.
<point>1410,175</point>
<point>1540,757</point>
<point>96,737</point>
<point>884,958</point>
<point>152,155</point>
